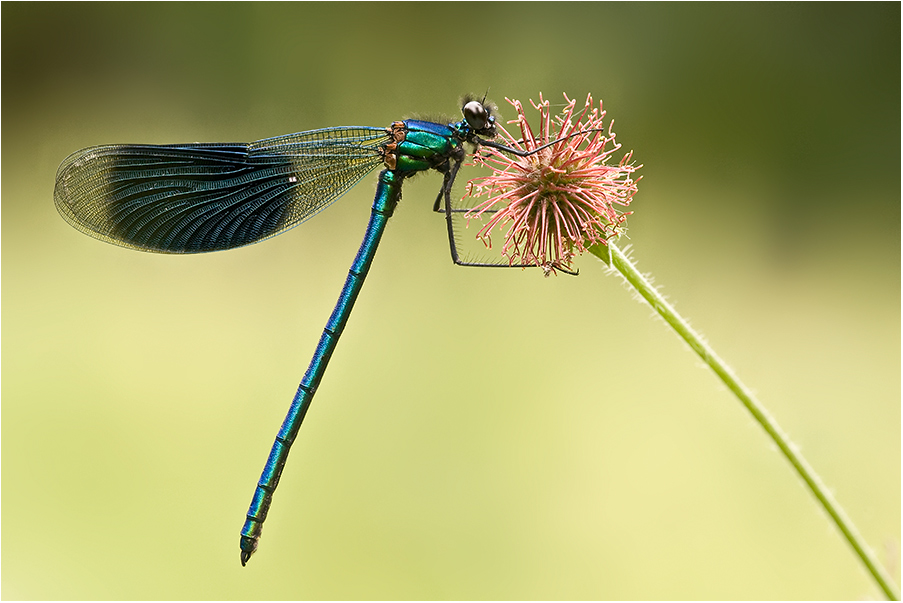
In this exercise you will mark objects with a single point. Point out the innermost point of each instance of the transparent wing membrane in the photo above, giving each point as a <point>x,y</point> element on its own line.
<point>193,198</point>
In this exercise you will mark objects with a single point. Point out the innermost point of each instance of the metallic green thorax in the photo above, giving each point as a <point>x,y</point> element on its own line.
<point>419,146</point>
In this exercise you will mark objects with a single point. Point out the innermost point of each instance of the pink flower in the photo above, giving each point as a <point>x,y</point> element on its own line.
<point>561,199</point>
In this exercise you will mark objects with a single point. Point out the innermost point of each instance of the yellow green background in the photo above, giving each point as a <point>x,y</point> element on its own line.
<point>479,434</point>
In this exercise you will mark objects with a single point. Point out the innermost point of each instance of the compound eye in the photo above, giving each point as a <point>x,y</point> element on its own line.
<point>475,115</point>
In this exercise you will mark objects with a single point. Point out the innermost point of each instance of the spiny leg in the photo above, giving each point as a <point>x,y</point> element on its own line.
<point>448,180</point>
<point>519,153</point>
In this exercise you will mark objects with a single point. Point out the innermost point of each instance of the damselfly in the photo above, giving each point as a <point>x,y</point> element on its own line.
<point>194,198</point>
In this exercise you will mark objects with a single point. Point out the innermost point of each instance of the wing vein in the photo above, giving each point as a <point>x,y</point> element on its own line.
<point>194,198</point>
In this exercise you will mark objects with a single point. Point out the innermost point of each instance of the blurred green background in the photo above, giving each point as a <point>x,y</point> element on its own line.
<point>479,434</point>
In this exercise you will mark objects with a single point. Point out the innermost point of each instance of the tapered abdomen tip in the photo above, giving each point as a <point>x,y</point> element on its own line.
<point>248,546</point>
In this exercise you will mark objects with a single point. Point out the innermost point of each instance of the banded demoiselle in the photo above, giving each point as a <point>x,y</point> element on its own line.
<point>194,198</point>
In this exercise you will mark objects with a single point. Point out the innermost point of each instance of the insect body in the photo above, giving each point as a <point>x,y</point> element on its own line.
<point>194,198</point>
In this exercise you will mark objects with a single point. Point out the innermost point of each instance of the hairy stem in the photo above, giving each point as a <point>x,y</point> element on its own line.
<point>613,256</point>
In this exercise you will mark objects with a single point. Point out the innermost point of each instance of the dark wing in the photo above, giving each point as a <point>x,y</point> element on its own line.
<point>192,198</point>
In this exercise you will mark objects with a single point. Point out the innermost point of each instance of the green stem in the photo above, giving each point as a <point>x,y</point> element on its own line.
<point>611,255</point>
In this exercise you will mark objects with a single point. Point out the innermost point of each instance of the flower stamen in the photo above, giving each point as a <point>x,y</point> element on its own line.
<point>558,200</point>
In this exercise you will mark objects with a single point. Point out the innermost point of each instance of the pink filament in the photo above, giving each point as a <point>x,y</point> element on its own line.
<point>560,199</point>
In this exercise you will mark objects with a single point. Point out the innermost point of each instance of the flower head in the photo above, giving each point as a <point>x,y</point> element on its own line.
<point>558,199</point>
